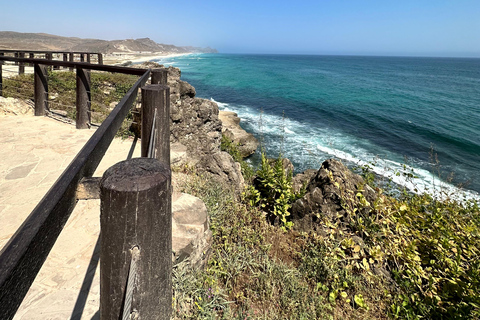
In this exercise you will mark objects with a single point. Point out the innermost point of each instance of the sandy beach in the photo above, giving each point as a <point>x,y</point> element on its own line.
<point>123,57</point>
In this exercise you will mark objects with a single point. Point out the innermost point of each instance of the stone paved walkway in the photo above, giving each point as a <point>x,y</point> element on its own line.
<point>34,151</point>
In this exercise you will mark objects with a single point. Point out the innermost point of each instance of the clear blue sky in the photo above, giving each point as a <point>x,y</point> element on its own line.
<point>371,27</point>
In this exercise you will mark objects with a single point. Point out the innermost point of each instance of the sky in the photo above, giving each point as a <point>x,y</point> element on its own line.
<point>347,27</point>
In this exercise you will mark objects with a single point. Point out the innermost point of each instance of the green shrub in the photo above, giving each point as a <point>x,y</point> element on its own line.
<point>272,191</point>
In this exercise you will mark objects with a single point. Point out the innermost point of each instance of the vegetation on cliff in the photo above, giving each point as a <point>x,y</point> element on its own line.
<point>404,257</point>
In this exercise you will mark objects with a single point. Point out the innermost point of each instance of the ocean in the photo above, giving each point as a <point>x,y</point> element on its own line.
<point>396,114</point>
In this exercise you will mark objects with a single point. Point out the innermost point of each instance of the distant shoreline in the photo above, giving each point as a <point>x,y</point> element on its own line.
<point>135,58</point>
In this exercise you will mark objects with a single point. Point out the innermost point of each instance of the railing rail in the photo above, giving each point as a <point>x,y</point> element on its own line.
<point>85,65</point>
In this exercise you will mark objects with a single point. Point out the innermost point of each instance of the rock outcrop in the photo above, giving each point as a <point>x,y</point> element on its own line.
<point>302,179</point>
<point>247,143</point>
<point>195,124</point>
<point>334,191</point>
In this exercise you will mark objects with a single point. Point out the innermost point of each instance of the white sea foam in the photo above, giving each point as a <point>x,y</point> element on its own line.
<point>221,105</point>
<point>308,147</point>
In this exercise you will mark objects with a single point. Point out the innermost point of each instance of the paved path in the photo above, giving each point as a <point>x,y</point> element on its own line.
<point>34,151</point>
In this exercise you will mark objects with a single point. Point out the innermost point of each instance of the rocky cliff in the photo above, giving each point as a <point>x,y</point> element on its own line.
<point>195,126</point>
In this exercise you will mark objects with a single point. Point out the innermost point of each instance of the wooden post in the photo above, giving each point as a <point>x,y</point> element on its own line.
<point>82,57</point>
<point>71,60</point>
<point>100,58</point>
<point>83,99</point>
<point>156,97</point>
<point>88,57</point>
<point>31,56</point>
<point>65,58</point>
<point>159,76</point>
<point>135,212</point>
<point>49,56</point>
<point>41,89</point>
<point>21,67</point>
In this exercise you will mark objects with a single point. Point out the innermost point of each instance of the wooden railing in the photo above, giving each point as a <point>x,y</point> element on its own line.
<point>149,243</point>
<point>70,56</point>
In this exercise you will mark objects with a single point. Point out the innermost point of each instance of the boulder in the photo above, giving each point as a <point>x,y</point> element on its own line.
<point>247,143</point>
<point>332,192</point>
<point>186,90</point>
<point>223,169</point>
<point>191,235</point>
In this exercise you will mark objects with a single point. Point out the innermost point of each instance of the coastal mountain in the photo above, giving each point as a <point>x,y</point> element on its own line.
<point>49,42</point>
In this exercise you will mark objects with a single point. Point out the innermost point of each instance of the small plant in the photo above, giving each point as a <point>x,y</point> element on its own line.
<point>272,191</point>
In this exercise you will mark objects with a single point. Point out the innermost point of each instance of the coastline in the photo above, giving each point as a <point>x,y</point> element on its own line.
<point>135,58</point>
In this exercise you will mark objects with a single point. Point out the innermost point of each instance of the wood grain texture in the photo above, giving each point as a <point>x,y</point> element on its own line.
<point>136,212</point>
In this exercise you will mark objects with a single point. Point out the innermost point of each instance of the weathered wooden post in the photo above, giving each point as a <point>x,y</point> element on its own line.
<point>88,57</point>
<point>49,56</point>
<point>83,99</point>
<point>65,58</point>
<point>82,57</point>
<point>159,76</point>
<point>31,56</point>
<point>71,59</point>
<point>41,89</point>
<point>156,97</point>
<point>21,66</point>
<point>100,58</point>
<point>136,222</point>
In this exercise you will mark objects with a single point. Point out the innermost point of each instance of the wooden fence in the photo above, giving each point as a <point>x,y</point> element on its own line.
<point>142,257</point>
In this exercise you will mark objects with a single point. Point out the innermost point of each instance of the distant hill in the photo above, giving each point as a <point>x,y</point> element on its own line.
<point>48,42</point>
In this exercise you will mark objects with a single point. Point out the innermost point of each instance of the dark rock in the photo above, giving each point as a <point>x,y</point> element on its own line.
<point>331,192</point>
<point>302,179</point>
<point>186,90</point>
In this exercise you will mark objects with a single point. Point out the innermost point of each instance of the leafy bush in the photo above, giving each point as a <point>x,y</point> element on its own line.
<point>272,191</point>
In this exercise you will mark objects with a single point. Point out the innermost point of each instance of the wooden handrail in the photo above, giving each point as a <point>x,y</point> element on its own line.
<point>24,254</point>
<point>46,51</point>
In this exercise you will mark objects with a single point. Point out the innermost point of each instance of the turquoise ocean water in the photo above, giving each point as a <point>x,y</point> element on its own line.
<point>386,110</point>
